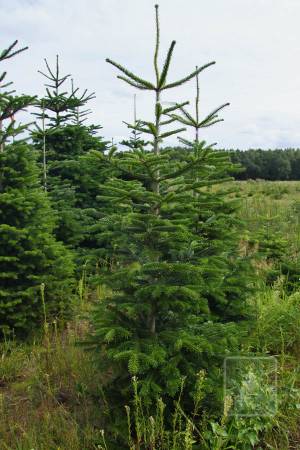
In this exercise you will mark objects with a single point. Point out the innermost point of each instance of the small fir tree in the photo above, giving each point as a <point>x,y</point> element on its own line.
<point>135,140</point>
<point>61,140</point>
<point>223,277</point>
<point>195,121</point>
<point>60,105</point>
<point>29,254</point>
<point>11,104</point>
<point>157,320</point>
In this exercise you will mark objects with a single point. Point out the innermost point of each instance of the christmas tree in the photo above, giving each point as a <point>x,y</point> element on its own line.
<point>11,104</point>
<point>165,315</point>
<point>30,257</point>
<point>61,139</point>
<point>135,140</point>
<point>216,221</point>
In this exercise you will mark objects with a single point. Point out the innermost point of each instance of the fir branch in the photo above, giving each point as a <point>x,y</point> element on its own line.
<point>181,171</point>
<point>62,80</point>
<point>134,176</point>
<point>131,75</point>
<point>57,68</point>
<point>152,128</point>
<point>11,105</point>
<point>180,119</point>
<point>174,107</point>
<point>45,75</point>
<point>167,122</point>
<point>111,152</point>
<point>189,117</point>
<point>114,163</point>
<point>215,111</point>
<point>151,173</point>
<point>2,76</point>
<point>189,77</point>
<point>49,69</point>
<point>170,133</point>
<point>132,83</point>
<point>211,182</point>
<point>158,110</point>
<point>7,53</point>
<point>156,44</point>
<point>185,141</point>
<point>138,128</point>
<point>209,124</point>
<point>73,93</point>
<point>166,67</point>
<point>197,100</point>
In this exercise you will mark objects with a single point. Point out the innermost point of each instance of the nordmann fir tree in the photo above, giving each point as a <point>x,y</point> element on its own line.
<point>60,105</point>
<point>29,254</point>
<point>155,321</point>
<point>135,140</point>
<point>111,165</point>
<point>61,139</point>
<point>229,271</point>
<point>10,104</point>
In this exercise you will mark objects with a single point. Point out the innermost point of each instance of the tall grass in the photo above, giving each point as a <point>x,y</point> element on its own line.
<point>49,394</point>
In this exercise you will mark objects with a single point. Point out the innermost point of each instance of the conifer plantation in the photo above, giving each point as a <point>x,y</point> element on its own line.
<point>148,300</point>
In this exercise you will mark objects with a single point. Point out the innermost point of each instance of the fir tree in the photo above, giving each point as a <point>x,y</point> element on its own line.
<point>216,219</point>
<point>11,104</point>
<point>59,105</point>
<point>195,121</point>
<point>135,140</point>
<point>61,140</point>
<point>29,254</point>
<point>157,321</point>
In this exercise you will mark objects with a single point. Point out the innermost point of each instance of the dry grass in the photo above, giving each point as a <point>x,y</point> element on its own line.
<point>49,395</point>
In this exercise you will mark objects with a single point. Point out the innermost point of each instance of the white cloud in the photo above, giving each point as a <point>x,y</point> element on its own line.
<point>256,44</point>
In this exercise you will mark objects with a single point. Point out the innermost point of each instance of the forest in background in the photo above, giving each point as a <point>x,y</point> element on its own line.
<point>273,165</point>
<point>259,164</point>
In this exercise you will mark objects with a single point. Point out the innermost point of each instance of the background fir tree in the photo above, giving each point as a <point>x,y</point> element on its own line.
<point>135,140</point>
<point>29,253</point>
<point>11,104</point>
<point>195,121</point>
<point>157,321</point>
<point>61,140</point>
<point>216,221</point>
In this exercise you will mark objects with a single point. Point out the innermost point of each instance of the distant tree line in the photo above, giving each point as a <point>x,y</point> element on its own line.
<point>274,165</point>
<point>278,164</point>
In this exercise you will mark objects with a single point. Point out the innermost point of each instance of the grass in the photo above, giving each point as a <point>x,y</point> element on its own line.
<point>50,389</point>
<point>274,206</point>
<point>49,395</point>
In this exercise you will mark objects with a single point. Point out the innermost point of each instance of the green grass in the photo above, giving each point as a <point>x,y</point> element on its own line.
<point>273,205</point>
<point>50,389</point>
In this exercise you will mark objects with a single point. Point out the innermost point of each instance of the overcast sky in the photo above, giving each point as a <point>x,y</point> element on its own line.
<point>255,43</point>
